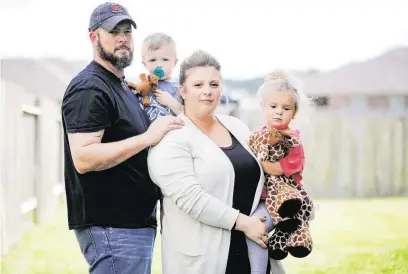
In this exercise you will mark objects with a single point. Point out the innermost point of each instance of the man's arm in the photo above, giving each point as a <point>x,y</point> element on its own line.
<point>89,154</point>
<point>86,114</point>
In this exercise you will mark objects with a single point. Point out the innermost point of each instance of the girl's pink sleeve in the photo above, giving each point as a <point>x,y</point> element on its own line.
<point>294,162</point>
<point>260,128</point>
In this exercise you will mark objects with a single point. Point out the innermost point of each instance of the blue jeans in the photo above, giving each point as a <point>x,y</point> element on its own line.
<point>110,250</point>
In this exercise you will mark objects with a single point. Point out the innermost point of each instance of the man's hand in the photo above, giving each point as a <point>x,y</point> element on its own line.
<point>160,127</point>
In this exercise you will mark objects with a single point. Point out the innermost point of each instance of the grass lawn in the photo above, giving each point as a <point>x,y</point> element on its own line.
<point>351,236</point>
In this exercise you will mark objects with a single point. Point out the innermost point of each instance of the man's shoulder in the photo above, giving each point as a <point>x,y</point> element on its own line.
<point>90,78</point>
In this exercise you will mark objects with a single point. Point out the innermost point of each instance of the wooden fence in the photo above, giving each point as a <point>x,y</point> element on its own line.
<point>362,155</point>
<point>31,159</point>
<point>347,156</point>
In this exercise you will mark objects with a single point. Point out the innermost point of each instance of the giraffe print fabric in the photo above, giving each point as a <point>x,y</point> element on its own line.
<point>288,204</point>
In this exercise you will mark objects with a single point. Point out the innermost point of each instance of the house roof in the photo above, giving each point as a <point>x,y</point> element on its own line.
<point>48,77</point>
<point>387,73</point>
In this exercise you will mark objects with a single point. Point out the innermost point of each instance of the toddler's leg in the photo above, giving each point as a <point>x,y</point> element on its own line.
<point>258,256</point>
<point>313,213</point>
<point>262,211</point>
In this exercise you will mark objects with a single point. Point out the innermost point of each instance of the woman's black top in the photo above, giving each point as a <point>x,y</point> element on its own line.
<point>246,181</point>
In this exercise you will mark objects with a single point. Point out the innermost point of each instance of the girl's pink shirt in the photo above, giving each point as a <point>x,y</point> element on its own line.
<point>292,165</point>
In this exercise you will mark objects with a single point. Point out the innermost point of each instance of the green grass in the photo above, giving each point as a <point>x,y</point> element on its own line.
<point>351,236</point>
<point>357,236</point>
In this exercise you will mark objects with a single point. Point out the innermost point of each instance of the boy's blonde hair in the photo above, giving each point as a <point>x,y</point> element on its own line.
<point>157,40</point>
<point>279,80</point>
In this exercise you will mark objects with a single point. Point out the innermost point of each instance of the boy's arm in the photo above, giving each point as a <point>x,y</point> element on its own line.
<point>166,99</point>
<point>176,107</point>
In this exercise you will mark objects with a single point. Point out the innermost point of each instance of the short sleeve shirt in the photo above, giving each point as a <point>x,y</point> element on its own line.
<point>121,196</point>
<point>155,109</point>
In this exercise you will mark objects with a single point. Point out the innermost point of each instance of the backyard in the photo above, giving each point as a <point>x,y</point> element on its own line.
<point>351,236</point>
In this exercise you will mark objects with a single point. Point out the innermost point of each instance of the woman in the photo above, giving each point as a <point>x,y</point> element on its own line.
<point>210,180</point>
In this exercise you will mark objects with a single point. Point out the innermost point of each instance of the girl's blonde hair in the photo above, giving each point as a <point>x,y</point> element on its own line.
<point>279,80</point>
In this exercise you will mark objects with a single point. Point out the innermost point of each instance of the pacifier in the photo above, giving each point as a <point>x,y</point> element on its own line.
<point>159,72</point>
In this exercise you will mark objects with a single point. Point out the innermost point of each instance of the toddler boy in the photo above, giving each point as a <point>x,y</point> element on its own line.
<point>159,56</point>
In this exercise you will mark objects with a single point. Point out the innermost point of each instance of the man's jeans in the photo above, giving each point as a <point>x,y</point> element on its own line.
<point>117,250</point>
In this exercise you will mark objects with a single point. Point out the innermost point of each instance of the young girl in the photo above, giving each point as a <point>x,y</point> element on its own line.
<point>280,100</point>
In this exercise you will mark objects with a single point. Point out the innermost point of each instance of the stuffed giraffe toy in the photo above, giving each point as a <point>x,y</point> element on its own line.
<point>287,202</point>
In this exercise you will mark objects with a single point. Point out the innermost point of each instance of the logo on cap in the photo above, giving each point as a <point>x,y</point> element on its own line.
<point>116,8</point>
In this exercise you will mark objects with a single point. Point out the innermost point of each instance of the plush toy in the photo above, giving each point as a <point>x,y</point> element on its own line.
<point>148,84</point>
<point>287,202</point>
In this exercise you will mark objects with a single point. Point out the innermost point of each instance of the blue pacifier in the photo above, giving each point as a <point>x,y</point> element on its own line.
<point>159,72</point>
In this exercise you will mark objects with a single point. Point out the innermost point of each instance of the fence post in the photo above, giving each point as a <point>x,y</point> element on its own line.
<point>397,105</point>
<point>359,104</point>
<point>31,203</point>
<point>2,202</point>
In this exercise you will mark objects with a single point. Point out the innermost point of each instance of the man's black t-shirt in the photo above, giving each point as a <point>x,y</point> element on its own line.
<point>121,196</point>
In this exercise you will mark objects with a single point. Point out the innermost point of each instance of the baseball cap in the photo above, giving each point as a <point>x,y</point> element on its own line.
<point>108,15</point>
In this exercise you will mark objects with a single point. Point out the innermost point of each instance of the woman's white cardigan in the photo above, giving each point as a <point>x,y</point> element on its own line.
<point>197,181</point>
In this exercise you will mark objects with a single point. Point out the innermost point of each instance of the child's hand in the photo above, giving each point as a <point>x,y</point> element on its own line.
<point>285,132</point>
<point>272,168</point>
<point>164,98</point>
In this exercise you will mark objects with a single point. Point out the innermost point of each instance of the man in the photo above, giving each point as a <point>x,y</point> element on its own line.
<point>110,197</point>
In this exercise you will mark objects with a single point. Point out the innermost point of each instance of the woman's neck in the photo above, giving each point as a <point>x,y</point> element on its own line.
<point>205,123</point>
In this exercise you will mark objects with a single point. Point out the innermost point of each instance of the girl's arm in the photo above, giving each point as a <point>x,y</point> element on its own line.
<point>294,162</point>
<point>289,165</point>
<point>272,168</point>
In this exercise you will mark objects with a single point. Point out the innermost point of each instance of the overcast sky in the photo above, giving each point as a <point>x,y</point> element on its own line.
<point>248,39</point>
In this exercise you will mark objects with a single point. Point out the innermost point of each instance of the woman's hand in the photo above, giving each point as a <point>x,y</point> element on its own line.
<point>254,228</point>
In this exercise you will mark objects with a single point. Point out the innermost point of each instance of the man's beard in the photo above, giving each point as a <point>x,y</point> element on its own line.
<point>118,62</point>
